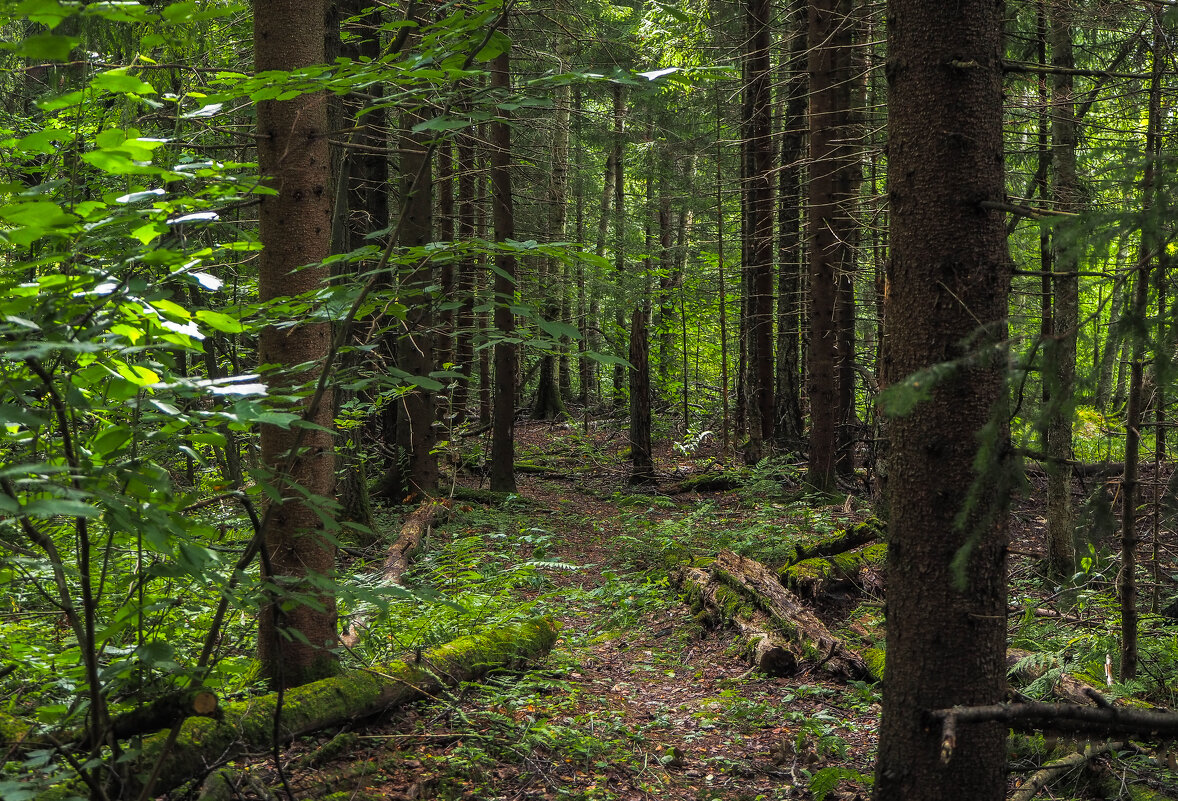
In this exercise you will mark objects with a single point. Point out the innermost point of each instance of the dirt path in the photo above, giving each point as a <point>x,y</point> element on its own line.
<point>637,701</point>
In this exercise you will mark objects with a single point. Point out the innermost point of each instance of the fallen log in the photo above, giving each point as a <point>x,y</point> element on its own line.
<point>790,615</point>
<point>768,651</point>
<point>408,542</point>
<point>356,695</point>
<point>400,555</point>
<point>1068,687</point>
<point>840,541</point>
<point>1057,768</point>
<point>812,577</point>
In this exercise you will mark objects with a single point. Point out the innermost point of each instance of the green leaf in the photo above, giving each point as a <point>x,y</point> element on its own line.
<point>498,44</point>
<point>47,47</point>
<point>51,507</point>
<point>120,81</point>
<point>110,440</point>
<point>11,413</point>
<point>220,321</point>
<point>557,329</point>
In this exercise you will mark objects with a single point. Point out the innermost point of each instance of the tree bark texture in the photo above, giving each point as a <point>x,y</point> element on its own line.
<point>788,431</point>
<point>758,206</point>
<point>948,283</point>
<point>502,467</point>
<point>641,451</point>
<point>1060,350</point>
<point>830,97</point>
<point>295,229</point>
<point>415,467</point>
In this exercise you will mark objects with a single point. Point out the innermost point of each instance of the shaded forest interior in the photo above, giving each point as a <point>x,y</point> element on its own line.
<point>734,400</point>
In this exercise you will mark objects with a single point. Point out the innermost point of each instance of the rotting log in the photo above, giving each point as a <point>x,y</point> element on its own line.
<point>352,696</point>
<point>399,556</point>
<point>1056,768</point>
<point>812,577</point>
<point>711,482</point>
<point>1068,686</point>
<point>768,651</point>
<point>790,615</point>
<point>840,541</point>
<point>408,542</point>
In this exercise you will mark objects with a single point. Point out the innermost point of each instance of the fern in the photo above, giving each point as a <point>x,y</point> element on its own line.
<point>825,780</point>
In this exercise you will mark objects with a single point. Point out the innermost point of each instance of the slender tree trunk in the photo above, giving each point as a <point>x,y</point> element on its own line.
<point>1148,253</point>
<point>949,476</point>
<point>849,65</point>
<point>619,143</point>
<point>725,425</point>
<point>415,466</point>
<point>464,319</point>
<point>502,468</point>
<point>549,404</point>
<point>788,430</point>
<point>1061,346</point>
<point>590,335</point>
<point>641,452</point>
<point>297,627</point>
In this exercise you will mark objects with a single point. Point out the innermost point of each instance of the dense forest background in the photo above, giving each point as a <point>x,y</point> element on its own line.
<point>281,282</point>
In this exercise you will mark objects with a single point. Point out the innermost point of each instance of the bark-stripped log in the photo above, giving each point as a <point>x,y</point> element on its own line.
<point>400,553</point>
<point>790,615</point>
<point>768,651</point>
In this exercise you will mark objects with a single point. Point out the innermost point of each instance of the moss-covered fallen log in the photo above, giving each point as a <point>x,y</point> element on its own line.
<point>1057,768</point>
<point>790,615</point>
<point>767,650</point>
<point>249,725</point>
<point>812,577</point>
<point>839,542</point>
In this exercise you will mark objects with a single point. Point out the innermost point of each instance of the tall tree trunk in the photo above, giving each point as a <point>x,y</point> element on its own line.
<point>589,330</point>
<point>1151,246</point>
<point>788,431</point>
<point>850,66</point>
<point>297,628</point>
<point>464,319</point>
<point>830,92</point>
<point>549,404</point>
<point>725,426</point>
<point>619,144</point>
<point>502,468</point>
<point>758,205</point>
<point>1060,353</point>
<point>415,465</point>
<point>949,476</point>
<point>362,186</point>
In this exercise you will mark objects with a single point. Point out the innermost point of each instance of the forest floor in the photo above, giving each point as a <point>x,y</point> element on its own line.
<point>637,700</point>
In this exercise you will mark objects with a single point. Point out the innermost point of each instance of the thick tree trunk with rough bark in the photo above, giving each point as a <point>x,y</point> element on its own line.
<point>830,93</point>
<point>949,477</point>
<point>295,229</point>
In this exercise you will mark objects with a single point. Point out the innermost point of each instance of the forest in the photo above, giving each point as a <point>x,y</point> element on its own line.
<point>717,400</point>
